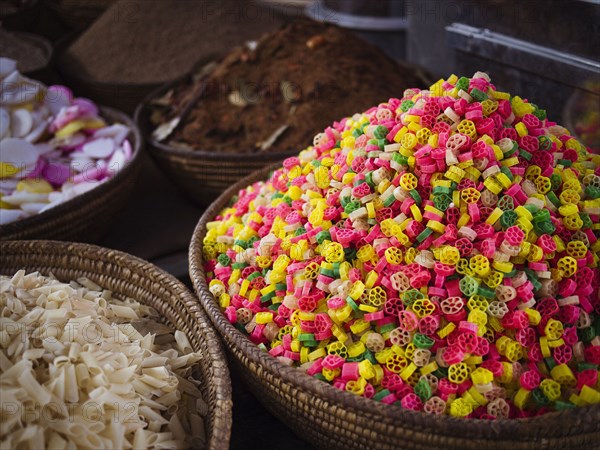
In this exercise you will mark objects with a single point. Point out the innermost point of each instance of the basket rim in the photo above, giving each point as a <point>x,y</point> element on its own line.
<point>73,204</point>
<point>43,43</point>
<point>141,119</point>
<point>221,380</point>
<point>236,341</point>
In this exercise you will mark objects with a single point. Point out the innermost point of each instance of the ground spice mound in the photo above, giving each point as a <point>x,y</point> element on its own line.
<point>295,81</point>
<point>153,41</point>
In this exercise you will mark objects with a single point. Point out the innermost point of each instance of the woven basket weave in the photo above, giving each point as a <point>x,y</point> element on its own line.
<point>88,216</point>
<point>333,419</point>
<point>129,276</point>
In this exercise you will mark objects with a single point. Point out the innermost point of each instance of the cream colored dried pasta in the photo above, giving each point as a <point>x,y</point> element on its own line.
<point>82,369</point>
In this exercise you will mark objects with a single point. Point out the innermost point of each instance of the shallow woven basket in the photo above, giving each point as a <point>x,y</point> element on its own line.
<point>330,418</point>
<point>200,174</point>
<point>129,276</point>
<point>88,216</point>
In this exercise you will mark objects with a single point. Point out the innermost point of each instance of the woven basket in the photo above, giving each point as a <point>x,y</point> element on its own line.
<point>88,216</point>
<point>201,175</point>
<point>333,419</point>
<point>132,277</point>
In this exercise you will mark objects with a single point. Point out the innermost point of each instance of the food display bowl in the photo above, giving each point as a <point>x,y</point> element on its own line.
<point>128,276</point>
<point>88,216</point>
<point>330,418</point>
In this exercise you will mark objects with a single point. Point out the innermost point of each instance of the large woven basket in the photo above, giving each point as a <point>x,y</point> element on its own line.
<point>88,216</point>
<point>129,276</point>
<point>200,174</point>
<point>333,419</point>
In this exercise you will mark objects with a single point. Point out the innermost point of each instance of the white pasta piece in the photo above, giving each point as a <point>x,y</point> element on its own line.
<point>32,317</point>
<point>125,312</point>
<point>156,404</point>
<point>58,296</point>
<point>188,387</point>
<point>18,277</point>
<point>155,361</point>
<point>142,388</point>
<point>56,442</point>
<point>115,434</point>
<point>5,363</point>
<point>170,398</point>
<point>99,380</point>
<point>58,385</point>
<point>4,339</point>
<point>17,345</point>
<point>53,346</point>
<point>140,440</point>
<point>83,376</point>
<point>160,373</point>
<point>149,414</point>
<point>74,350</point>
<point>152,381</point>
<point>86,282</point>
<point>71,385</point>
<point>90,361</point>
<point>122,375</point>
<point>147,342</point>
<point>154,427</point>
<point>129,330</point>
<point>183,343</point>
<point>33,388</point>
<point>187,360</point>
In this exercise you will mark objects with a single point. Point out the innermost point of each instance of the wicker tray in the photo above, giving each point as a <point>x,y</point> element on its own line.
<point>201,175</point>
<point>88,216</point>
<point>330,418</point>
<point>130,276</point>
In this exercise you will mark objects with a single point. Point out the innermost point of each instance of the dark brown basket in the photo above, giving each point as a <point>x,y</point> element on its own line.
<point>201,175</point>
<point>88,216</point>
<point>333,419</point>
<point>133,277</point>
